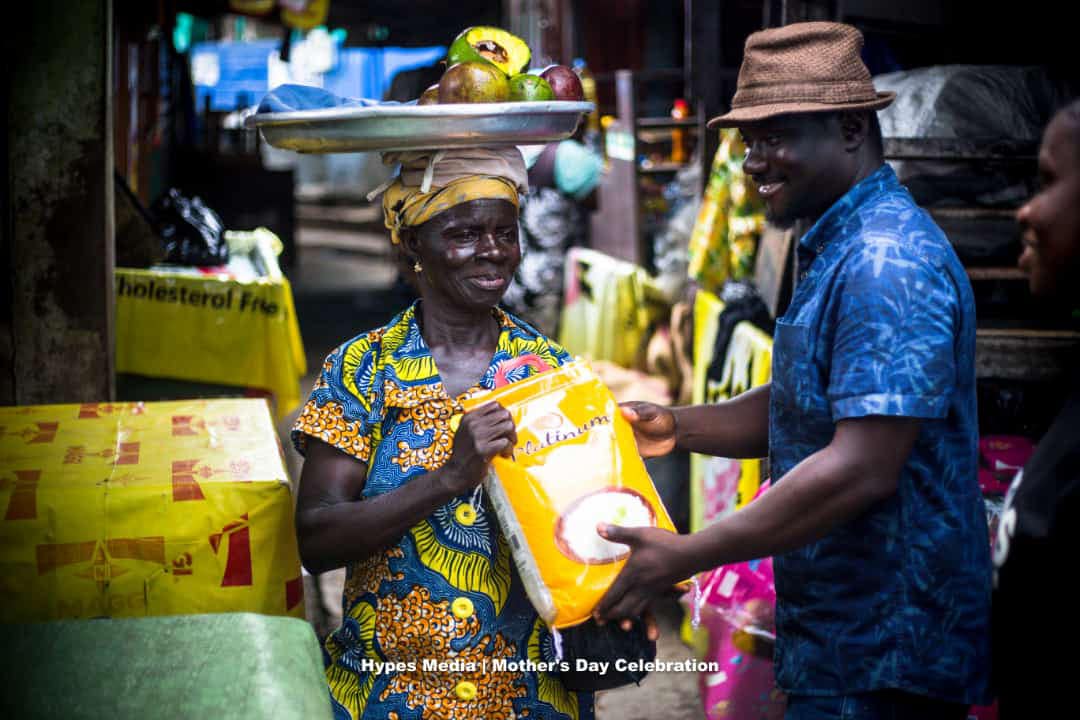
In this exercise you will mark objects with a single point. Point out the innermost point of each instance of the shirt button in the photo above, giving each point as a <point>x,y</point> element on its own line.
<point>465,514</point>
<point>465,690</point>
<point>462,608</point>
<point>802,275</point>
<point>821,248</point>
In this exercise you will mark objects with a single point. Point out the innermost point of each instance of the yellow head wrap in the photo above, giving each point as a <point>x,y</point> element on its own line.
<point>433,181</point>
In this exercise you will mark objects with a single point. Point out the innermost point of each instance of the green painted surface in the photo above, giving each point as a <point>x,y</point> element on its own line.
<point>233,665</point>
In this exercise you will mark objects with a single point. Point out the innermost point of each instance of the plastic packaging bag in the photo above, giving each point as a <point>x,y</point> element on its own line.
<point>605,643</point>
<point>575,465</point>
<point>193,233</point>
<point>737,605</point>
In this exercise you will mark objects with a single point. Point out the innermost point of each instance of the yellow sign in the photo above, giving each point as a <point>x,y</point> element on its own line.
<point>204,329</point>
<point>131,509</point>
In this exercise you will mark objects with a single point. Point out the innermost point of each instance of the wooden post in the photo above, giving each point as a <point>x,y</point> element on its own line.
<point>707,82</point>
<point>616,225</point>
<point>56,333</point>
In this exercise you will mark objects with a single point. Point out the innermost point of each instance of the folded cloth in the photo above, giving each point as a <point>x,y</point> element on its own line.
<point>431,181</point>
<point>290,98</point>
<point>455,163</point>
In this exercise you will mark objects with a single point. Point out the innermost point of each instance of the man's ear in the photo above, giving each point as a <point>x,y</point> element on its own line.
<point>854,128</point>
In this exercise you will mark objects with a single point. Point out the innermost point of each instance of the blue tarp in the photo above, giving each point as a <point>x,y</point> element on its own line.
<point>360,72</point>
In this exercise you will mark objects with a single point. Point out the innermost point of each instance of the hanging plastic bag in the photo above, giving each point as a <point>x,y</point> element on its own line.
<point>193,233</point>
<point>575,465</point>
<point>737,606</point>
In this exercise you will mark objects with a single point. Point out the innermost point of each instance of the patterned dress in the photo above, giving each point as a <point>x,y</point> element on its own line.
<point>447,592</point>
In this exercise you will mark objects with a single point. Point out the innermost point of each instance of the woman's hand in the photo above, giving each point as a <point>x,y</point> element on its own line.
<point>654,427</point>
<point>483,433</point>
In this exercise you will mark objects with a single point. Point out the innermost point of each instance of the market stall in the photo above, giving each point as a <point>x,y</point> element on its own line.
<point>233,326</point>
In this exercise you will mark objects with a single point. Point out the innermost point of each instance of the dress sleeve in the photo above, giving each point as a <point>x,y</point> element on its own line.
<point>552,352</point>
<point>338,411</point>
<point>894,349</point>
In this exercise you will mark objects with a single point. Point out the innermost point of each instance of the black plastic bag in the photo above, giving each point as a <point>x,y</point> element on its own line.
<point>193,233</point>
<point>605,643</point>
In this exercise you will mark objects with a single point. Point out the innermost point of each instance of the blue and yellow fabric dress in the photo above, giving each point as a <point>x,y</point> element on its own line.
<point>437,625</point>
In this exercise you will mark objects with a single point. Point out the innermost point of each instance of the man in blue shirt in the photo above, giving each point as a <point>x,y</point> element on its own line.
<point>875,519</point>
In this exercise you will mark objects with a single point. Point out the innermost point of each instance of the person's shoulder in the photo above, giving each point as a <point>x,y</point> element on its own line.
<point>893,264</point>
<point>369,348</point>
<point>893,221</point>
<point>530,339</point>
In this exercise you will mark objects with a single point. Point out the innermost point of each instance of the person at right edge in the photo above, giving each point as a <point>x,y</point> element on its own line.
<point>1038,538</point>
<point>875,519</point>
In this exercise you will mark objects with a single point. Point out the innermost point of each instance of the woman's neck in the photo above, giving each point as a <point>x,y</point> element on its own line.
<point>445,325</point>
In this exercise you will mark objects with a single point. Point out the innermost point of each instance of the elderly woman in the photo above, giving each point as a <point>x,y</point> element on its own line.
<point>1038,539</point>
<point>436,621</point>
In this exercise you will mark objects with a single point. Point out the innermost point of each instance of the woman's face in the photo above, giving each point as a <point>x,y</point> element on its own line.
<point>1050,221</point>
<point>469,253</point>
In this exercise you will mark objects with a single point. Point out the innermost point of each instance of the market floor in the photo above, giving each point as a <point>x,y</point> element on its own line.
<point>342,288</point>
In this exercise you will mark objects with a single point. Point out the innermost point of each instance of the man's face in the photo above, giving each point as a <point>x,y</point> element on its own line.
<point>469,253</point>
<point>799,165</point>
<point>1050,221</point>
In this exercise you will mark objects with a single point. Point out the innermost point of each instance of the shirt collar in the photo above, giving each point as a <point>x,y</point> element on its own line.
<point>828,225</point>
<point>414,379</point>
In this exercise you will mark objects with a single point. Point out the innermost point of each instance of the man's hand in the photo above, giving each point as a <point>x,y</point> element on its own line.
<point>654,427</point>
<point>657,561</point>
<point>652,630</point>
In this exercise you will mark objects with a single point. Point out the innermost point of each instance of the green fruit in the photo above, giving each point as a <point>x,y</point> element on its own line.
<point>429,96</point>
<point>530,88</point>
<point>473,82</point>
<point>507,52</point>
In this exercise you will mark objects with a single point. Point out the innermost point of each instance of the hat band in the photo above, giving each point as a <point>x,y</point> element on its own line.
<point>826,93</point>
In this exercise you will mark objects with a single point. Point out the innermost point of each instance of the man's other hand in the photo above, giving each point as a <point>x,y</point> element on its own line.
<point>655,565</point>
<point>654,427</point>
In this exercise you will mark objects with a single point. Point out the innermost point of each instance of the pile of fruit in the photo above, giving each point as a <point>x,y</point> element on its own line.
<point>487,64</point>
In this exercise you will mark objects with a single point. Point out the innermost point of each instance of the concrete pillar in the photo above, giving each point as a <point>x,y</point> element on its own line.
<point>56,239</point>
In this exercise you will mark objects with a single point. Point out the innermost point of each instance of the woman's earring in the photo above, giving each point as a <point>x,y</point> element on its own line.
<point>417,267</point>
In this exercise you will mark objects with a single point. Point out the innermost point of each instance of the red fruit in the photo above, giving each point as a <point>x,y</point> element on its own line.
<point>564,82</point>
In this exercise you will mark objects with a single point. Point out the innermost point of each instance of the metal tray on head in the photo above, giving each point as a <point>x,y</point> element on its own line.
<point>419,127</point>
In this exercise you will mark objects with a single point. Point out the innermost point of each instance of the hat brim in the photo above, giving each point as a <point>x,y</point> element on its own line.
<point>757,113</point>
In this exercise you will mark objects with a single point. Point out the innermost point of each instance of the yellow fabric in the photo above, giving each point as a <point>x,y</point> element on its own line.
<point>406,206</point>
<point>747,364</point>
<point>707,309</point>
<point>608,308</point>
<point>134,509</point>
<point>729,223</point>
<point>203,329</point>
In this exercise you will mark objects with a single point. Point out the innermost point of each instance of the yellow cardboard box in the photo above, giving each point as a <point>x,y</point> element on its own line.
<point>131,509</point>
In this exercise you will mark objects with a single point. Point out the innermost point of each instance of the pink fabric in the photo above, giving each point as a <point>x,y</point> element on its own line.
<point>738,605</point>
<point>720,487</point>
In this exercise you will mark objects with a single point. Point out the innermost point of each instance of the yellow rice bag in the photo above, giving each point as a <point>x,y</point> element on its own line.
<point>575,465</point>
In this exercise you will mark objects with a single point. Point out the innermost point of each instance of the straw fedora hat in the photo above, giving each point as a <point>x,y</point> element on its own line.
<point>801,68</point>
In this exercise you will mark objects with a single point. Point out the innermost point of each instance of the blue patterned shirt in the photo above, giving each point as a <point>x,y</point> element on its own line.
<point>883,323</point>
